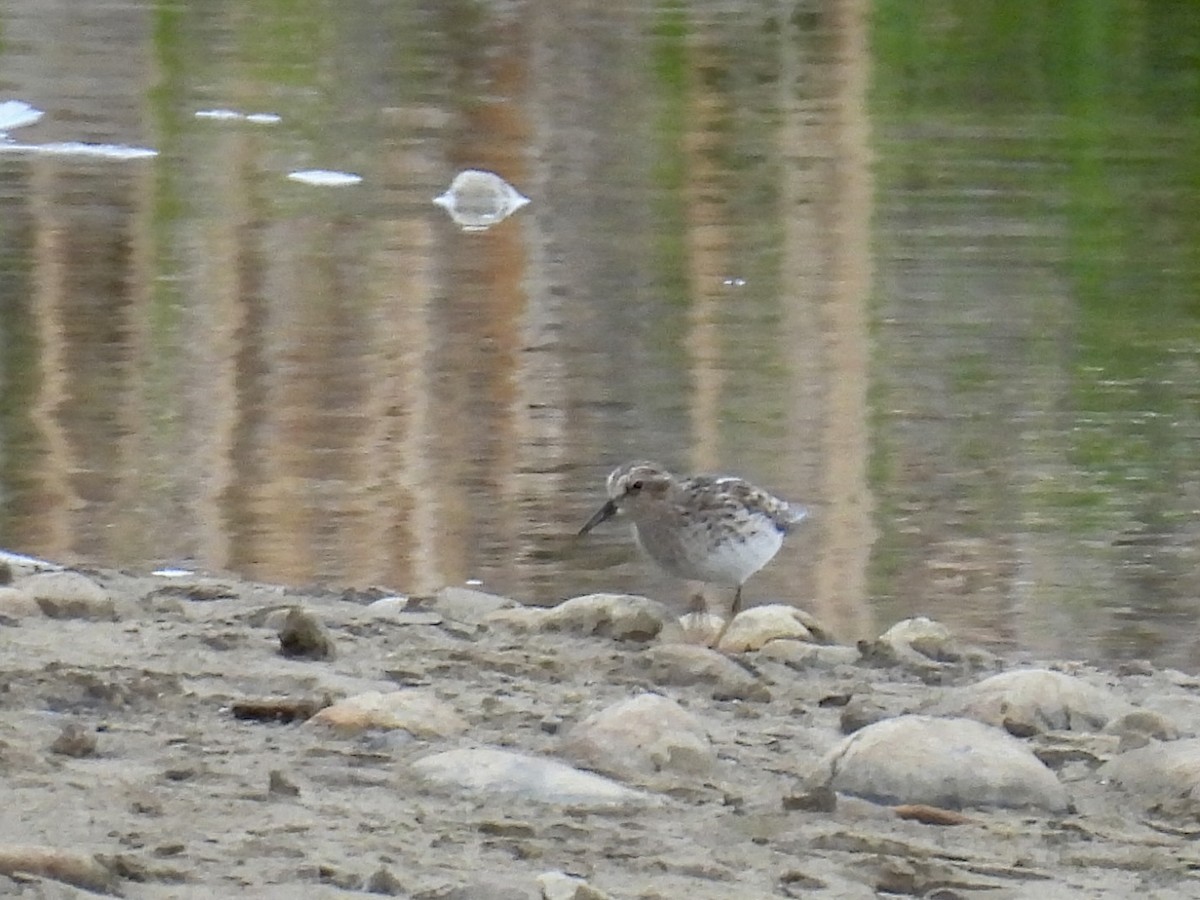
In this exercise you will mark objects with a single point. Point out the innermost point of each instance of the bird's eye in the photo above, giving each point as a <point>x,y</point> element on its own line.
<point>636,486</point>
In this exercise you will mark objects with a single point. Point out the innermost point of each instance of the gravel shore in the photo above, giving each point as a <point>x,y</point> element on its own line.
<point>189,736</point>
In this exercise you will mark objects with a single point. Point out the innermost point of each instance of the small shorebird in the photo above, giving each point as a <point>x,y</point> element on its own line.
<point>709,528</point>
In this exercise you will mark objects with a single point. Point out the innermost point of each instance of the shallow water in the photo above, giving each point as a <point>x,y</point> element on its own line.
<point>932,273</point>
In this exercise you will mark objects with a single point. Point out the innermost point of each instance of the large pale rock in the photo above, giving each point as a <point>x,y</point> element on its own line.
<point>802,655</point>
<point>18,604</point>
<point>68,595</point>
<point>418,712</point>
<point>561,886</point>
<point>952,763</point>
<point>487,771</point>
<point>470,606</point>
<point>918,641</point>
<point>753,628</point>
<point>687,664</point>
<point>643,735</point>
<point>1163,778</point>
<point>1031,701</point>
<point>623,617</point>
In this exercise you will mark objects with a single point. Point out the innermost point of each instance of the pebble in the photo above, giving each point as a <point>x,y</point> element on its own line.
<point>68,595</point>
<point>18,604</point>
<point>418,712</point>
<point>1032,701</point>
<point>1141,726</point>
<point>484,770</point>
<point>1163,778</point>
<point>687,664</point>
<point>802,655</point>
<point>304,636</point>
<point>622,617</point>
<point>644,735</point>
<point>945,762</point>
<point>469,606</point>
<point>75,740</point>
<point>918,642</point>
<point>561,886</point>
<point>754,628</point>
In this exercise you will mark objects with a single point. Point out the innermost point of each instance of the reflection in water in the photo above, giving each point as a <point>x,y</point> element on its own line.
<point>324,177</point>
<point>203,365</point>
<point>478,200</point>
<point>15,114</point>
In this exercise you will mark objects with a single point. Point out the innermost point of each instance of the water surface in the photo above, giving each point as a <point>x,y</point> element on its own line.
<point>930,270</point>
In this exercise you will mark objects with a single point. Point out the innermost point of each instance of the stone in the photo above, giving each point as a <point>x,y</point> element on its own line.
<point>802,655</point>
<point>1032,701</point>
<point>622,617</point>
<point>382,881</point>
<point>68,595</point>
<point>920,640</point>
<point>386,607</point>
<point>945,762</point>
<point>303,635</point>
<point>644,735</point>
<point>753,628</point>
<point>688,664</point>
<point>78,869</point>
<point>418,712</point>
<point>1163,778</point>
<point>483,770</point>
<point>470,606</point>
<point>561,886</point>
<point>75,740</point>
<point>1139,727</point>
<point>279,785</point>
<point>18,604</point>
<point>860,712</point>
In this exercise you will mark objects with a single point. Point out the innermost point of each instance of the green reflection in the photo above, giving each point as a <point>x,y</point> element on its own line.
<point>1039,171</point>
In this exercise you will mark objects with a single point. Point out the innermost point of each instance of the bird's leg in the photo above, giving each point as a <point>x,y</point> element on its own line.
<point>734,609</point>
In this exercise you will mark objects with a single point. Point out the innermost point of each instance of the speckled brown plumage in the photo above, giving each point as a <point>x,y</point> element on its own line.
<point>709,528</point>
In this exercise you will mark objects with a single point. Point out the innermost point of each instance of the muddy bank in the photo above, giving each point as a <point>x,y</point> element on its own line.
<point>159,739</point>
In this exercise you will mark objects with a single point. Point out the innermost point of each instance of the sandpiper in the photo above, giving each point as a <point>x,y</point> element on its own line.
<point>710,528</point>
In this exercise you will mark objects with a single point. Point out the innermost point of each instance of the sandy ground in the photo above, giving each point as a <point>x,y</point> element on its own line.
<point>119,747</point>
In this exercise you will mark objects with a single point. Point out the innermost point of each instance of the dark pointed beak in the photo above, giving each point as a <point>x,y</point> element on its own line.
<point>604,513</point>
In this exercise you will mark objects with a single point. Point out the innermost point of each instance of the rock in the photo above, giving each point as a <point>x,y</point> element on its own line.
<point>469,606</point>
<point>753,628</point>
<point>1032,701</point>
<point>643,735</point>
<point>623,617</point>
<point>418,712</point>
<point>303,635</point>
<point>860,712</point>
<point>69,595</point>
<point>561,886</point>
<point>688,664</point>
<point>18,604</point>
<point>819,799</point>
<point>386,607</point>
<point>81,870</point>
<point>382,881</point>
<point>75,740</point>
<point>917,641</point>
<point>1139,727</point>
<point>1058,749</point>
<point>488,771</point>
<point>951,763</point>
<point>279,785</point>
<point>801,655</point>
<point>1162,778</point>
